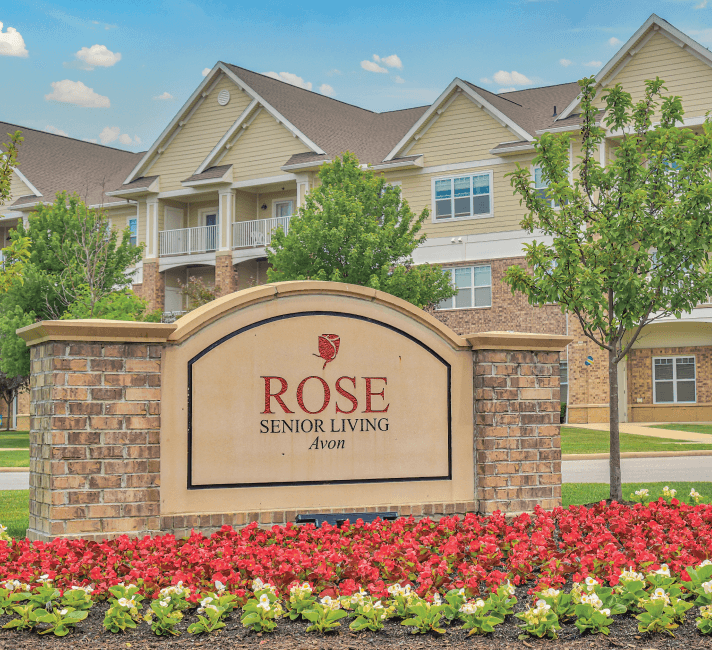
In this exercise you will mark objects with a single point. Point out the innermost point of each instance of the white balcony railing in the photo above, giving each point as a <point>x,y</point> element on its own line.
<point>252,234</point>
<point>185,241</point>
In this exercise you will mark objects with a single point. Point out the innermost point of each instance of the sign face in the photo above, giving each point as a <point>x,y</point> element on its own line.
<point>316,398</point>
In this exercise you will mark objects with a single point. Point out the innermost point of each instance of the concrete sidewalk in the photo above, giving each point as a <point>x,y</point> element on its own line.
<point>644,429</point>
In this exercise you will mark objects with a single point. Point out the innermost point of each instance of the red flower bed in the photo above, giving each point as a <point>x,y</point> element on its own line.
<point>474,552</point>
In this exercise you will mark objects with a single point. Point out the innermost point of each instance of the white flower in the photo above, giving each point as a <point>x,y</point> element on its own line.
<point>219,586</point>
<point>213,607</point>
<point>659,594</point>
<point>630,576</point>
<point>606,612</point>
<point>591,583</point>
<point>664,570</point>
<point>596,601</point>
<point>163,603</point>
<point>553,593</point>
<point>264,606</point>
<point>707,586</point>
<point>124,602</point>
<point>705,563</point>
<point>3,528</point>
<point>509,588</point>
<point>205,601</point>
<point>63,612</point>
<point>264,598</point>
<point>642,493</point>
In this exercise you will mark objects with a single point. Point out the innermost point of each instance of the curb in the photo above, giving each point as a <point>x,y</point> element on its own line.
<point>639,454</point>
<point>14,469</point>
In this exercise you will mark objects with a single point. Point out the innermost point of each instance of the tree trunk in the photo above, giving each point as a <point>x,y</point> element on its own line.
<point>615,446</point>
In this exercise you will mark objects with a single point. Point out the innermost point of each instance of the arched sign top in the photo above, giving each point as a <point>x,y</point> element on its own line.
<point>196,320</point>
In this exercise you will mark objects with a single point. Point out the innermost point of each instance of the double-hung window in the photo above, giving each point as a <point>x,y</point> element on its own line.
<point>133,229</point>
<point>462,197</point>
<point>674,380</point>
<point>474,287</point>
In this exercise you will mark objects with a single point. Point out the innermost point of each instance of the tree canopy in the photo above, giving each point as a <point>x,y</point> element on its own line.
<point>630,240</point>
<point>357,228</point>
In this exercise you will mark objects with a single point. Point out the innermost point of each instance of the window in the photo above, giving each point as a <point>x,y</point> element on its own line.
<point>564,380</point>
<point>283,208</point>
<point>674,380</point>
<point>541,185</point>
<point>463,197</point>
<point>133,229</point>
<point>474,288</point>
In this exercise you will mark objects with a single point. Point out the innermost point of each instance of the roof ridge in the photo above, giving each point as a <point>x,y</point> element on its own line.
<point>521,90</point>
<point>313,92</point>
<point>399,110</point>
<point>489,92</point>
<point>69,137</point>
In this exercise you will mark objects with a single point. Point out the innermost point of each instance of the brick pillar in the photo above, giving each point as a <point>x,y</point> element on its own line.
<point>94,439</point>
<point>154,288</point>
<point>517,433</point>
<point>225,275</point>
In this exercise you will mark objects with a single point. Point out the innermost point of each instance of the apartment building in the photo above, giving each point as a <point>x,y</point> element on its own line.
<point>239,157</point>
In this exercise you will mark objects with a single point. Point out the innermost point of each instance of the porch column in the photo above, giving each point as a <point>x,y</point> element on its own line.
<point>152,228</point>
<point>302,189</point>
<point>226,216</point>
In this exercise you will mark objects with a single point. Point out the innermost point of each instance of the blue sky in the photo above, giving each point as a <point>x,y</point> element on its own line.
<point>117,72</point>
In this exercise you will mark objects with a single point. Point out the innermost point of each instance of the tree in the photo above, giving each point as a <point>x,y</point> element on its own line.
<point>631,240</point>
<point>10,388</point>
<point>77,268</point>
<point>15,255</point>
<point>356,228</point>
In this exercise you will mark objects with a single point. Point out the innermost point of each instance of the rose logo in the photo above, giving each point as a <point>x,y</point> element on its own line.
<point>328,347</point>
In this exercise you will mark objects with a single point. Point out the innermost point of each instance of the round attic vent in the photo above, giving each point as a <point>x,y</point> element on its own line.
<point>223,97</point>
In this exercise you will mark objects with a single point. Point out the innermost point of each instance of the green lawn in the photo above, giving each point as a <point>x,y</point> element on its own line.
<point>14,458</point>
<point>580,493</point>
<point>692,428</point>
<point>14,504</point>
<point>14,439</point>
<point>14,511</point>
<point>587,441</point>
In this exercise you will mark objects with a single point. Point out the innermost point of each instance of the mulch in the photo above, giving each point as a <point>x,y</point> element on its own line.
<point>292,635</point>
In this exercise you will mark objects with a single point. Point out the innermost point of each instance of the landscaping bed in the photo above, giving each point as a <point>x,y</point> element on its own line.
<point>479,555</point>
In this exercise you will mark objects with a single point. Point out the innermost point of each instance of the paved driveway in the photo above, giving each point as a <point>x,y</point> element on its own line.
<point>14,480</point>
<point>640,470</point>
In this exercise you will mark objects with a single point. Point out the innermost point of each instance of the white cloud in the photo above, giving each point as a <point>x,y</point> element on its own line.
<point>507,90</point>
<point>331,73</point>
<point>326,89</point>
<point>75,92</point>
<point>166,95</point>
<point>92,140</point>
<point>290,78</point>
<point>373,67</point>
<point>391,61</point>
<point>615,42</point>
<point>53,129</point>
<point>701,5</point>
<point>106,25</point>
<point>513,78</point>
<point>97,56</point>
<point>400,80</point>
<point>593,64</point>
<point>125,138</point>
<point>206,71</point>
<point>12,43</point>
<point>565,62</point>
<point>702,35</point>
<point>109,134</point>
<point>137,140</point>
<point>485,80</point>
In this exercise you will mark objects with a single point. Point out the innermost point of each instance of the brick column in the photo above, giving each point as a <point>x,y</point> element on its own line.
<point>94,439</point>
<point>154,288</point>
<point>517,432</point>
<point>225,275</point>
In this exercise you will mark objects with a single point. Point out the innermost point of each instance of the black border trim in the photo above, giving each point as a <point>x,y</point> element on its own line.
<point>212,346</point>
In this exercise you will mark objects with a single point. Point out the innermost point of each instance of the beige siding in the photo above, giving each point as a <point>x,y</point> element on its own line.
<point>120,216</point>
<point>196,208</point>
<point>267,199</point>
<point>142,223</point>
<point>684,74</point>
<point>463,132</point>
<point>198,137</point>
<point>507,213</point>
<point>245,206</point>
<point>18,188</point>
<point>262,150</point>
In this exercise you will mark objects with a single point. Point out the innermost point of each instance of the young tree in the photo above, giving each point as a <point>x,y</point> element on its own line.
<point>631,240</point>
<point>356,228</point>
<point>10,388</point>
<point>77,268</point>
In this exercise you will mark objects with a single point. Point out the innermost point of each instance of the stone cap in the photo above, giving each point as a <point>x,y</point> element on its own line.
<point>522,341</point>
<point>95,330</point>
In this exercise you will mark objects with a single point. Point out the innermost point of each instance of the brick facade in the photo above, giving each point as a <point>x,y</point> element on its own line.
<point>153,288</point>
<point>518,440</point>
<point>94,439</point>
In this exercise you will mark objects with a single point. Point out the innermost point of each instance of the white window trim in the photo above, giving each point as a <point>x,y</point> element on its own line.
<point>451,269</point>
<point>128,225</point>
<point>674,379</point>
<point>293,199</point>
<point>203,212</point>
<point>571,176</point>
<point>433,180</point>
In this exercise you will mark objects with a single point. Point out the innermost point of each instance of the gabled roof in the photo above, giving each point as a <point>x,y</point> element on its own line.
<point>54,163</point>
<point>634,44</point>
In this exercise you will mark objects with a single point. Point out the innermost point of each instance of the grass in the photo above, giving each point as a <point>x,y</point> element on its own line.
<point>15,511</point>
<point>692,428</point>
<point>15,504</point>
<point>581,493</point>
<point>14,458</point>
<point>14,439</point>
<point>587,441</point>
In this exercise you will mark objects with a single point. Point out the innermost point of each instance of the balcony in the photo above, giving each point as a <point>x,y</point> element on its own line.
<point>253,234</point>
<point>187,241</point>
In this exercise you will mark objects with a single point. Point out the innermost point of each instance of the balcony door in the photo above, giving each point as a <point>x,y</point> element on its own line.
<point>209,232</point>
